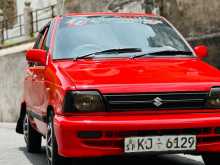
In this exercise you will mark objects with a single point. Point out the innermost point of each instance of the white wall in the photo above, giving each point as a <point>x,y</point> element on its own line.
<point>12,66</point>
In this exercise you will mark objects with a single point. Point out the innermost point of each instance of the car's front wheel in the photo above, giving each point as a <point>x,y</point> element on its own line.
<point>51,145</point>
<point>211,159</point>
<point>31,137</point>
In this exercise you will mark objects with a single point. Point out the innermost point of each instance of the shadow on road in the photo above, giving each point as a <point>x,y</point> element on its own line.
<point>35,159</point>
<point>40,159</point>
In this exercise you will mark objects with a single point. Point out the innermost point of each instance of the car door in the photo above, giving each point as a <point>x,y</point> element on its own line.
<point>28,82</point>
<point>38,88</point>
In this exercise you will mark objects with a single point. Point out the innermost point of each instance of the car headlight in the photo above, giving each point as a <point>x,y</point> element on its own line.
<point>83,101</point>
<point>214,97</point>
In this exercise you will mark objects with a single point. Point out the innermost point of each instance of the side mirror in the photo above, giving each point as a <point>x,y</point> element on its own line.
<point>201,51</point>
<point>37,55</point>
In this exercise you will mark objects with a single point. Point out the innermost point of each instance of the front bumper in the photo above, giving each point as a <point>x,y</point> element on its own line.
<point>114,128</point>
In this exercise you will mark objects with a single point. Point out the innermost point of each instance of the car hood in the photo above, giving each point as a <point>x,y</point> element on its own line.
<point>141,75</point>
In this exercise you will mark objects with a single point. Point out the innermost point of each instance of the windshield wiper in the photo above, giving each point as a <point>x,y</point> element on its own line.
<point>111,51</point>
<point>164,53</point>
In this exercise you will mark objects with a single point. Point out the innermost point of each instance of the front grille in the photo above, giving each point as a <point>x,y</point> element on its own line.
<point>156,101</point>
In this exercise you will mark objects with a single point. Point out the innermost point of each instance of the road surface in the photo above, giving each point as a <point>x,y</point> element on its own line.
<point>13,152</point>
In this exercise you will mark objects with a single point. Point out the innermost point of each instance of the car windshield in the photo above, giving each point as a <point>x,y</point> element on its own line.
<point>82,36</point>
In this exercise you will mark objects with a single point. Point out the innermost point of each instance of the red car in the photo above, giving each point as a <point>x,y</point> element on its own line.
<point>119,84</point>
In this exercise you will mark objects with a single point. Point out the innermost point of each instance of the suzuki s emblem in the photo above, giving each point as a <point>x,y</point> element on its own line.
<point>157,101</point>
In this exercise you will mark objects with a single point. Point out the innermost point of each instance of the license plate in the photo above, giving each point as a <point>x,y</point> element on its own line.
<point>160,144</point>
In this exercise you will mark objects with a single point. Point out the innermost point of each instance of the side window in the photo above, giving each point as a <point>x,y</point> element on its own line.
<point>47,40</point>
<point>44,41</point>
<point>43,38</point>
<point>37,43</point>
<point>36,46</point>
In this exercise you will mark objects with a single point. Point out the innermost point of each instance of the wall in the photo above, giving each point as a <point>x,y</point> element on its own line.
<point>213,43</point>
<point>85,5</point>
<point>12,65</point>
<point>103,5</point>
<point>193,17</point>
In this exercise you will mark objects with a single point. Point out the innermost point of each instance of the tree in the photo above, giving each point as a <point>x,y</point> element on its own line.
<point>9,11</point>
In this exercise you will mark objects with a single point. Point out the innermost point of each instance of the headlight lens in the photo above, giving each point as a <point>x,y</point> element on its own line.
<point>83,101</point>
<point>214,97</point>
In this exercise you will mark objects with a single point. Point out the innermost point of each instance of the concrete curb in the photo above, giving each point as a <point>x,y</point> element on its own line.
<point>16,49</point>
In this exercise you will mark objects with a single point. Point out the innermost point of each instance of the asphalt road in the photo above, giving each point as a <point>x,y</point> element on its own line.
<point>13,152</point>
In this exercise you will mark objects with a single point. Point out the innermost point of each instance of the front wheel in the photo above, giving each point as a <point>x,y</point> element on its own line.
<point>51,145</point>
<point>211,159</point>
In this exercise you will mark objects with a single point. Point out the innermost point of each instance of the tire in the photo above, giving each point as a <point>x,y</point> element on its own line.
<point>31,137</point>
<point>211,159</point>
<point>53,157</point>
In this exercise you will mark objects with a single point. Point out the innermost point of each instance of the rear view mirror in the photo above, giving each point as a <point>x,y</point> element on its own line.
<point>201,51</point>
<point>37,55</point>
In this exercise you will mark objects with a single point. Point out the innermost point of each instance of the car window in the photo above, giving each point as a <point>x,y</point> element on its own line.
<point>44,40</point>
<point>47,43</point>
<point>40,44</point>
<point>37,42</point>
<point>36,46</point>
<point>43,37</point>
<point>78,36</point>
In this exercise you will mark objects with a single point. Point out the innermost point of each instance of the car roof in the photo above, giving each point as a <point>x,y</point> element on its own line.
<point>113,14</point>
